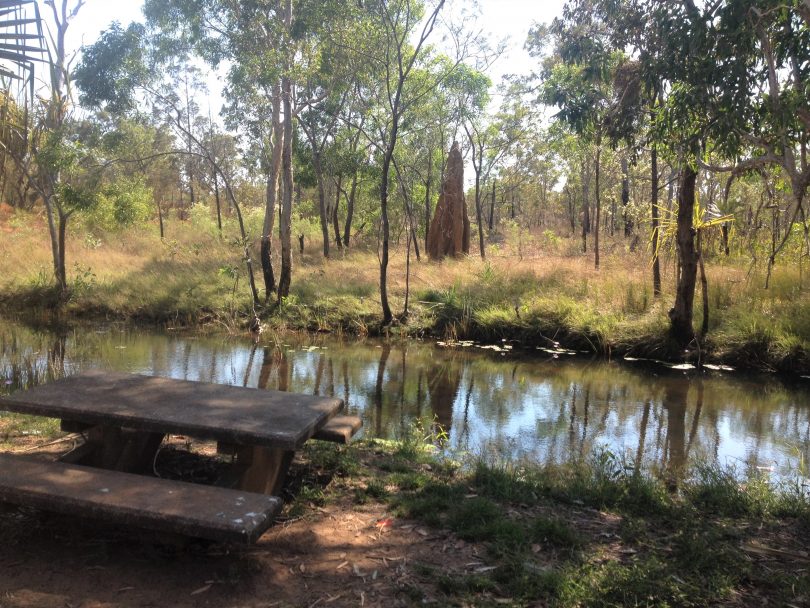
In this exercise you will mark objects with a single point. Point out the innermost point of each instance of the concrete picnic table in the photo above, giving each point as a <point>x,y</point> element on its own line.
<point>125,418</point>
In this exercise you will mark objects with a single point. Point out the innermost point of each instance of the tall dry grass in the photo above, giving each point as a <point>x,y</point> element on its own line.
<point>541,293</point>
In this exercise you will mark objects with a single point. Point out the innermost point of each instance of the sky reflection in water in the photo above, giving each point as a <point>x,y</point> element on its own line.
<point>546,410</point>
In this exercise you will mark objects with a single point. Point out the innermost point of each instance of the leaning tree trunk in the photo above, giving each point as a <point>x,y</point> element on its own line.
<point>681,314</point>
<point>246,247</point>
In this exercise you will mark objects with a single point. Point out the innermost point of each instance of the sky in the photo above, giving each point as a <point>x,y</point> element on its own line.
<point>507,20</point>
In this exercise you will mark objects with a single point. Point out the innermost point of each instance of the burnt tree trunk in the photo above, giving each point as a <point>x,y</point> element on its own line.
<point>681,314</point>
<point>347,231</point>
<point>628,221</point>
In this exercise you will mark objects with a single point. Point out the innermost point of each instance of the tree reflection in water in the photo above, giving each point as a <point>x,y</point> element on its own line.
<point>551,411</point>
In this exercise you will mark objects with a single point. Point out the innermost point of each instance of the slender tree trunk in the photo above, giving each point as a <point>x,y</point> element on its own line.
<point>56,250</point>
<point>598,205</point>
<point>411,227</point>
<point>271,189</point>
<point>478,160</point>
<point>655,226</point>
<point>586,215</point>
<point>335,220</point>
<point>271,195</point>
<point>428,183</point>
<point>347,231</point>
<point>285,224</point>
<point>189,170</point>
<point>704,286</point>
<point>218,203</point>
<point>628,221</point>
<point>411,239</point>
<point>160,220</point>
<point>248,259</point>
<point>681,314</point>
<point>285,279</point>
<point>62,273</point>
<point>316,162</point>
<point>492,207</point>
<point>478,212</point>
<point>386,168</point>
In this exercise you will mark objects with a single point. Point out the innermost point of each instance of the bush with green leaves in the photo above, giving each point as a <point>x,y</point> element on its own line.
<point>124,203</point>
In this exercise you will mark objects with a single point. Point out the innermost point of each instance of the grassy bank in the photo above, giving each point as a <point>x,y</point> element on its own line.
<point>549,294</point>
<point>589,534</point>
<point>399,523</point>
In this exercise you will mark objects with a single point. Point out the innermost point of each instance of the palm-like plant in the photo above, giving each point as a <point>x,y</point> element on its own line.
<point>704,219</point>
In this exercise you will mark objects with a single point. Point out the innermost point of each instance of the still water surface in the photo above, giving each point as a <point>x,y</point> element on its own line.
<point>546,409</point>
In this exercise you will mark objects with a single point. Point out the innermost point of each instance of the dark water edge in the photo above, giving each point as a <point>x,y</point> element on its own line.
<point>544,406</point>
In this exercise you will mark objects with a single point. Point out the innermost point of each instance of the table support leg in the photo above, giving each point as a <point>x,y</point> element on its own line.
<point>117,449</point>
<point>259,469</point>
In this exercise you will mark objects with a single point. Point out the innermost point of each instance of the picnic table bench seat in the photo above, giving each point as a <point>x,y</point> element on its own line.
<point>200,511</point>
<point>339,429</point>
<point>125,417</point>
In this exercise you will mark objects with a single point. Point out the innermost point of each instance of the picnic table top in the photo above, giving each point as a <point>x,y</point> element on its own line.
<point>243,416</point>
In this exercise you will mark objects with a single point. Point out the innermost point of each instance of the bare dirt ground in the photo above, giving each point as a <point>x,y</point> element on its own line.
<point>344,548</point>
<point>341,554</point>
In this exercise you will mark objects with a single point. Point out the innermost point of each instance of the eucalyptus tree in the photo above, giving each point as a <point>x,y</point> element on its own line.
<point>395,38</point>
<point>50,162</point>
<point>735,74</point>
<point>759,100</point>
<point>579,80</point>
<point>350,158</point>
<point>258,42</point>
<point>491,139</point>
<point>112,74</point>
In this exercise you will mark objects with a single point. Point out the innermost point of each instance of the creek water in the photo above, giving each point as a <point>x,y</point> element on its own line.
<point>534,406</point>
